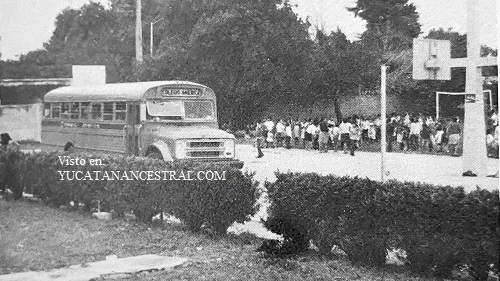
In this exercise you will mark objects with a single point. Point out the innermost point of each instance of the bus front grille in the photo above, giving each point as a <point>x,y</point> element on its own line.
<point>208,144</point>
<point>204,154</point>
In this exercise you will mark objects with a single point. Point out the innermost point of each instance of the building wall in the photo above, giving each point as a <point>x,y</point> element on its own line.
<point>24,94</point>
<point>22,122</point>
<point>365,105</point>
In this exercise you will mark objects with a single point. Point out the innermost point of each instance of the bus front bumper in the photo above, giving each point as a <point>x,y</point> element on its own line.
<point>234,163</point>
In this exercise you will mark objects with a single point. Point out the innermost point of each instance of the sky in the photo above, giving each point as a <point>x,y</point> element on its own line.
<point>26,24</point>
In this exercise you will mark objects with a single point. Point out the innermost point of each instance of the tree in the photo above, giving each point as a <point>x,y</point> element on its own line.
<point>252,53</point>
<point>94,35</point>
<point>338,66</point>
<point>391,24</point>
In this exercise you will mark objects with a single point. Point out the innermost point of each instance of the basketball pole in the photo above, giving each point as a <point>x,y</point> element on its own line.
<point>383,137</point>
<point>437,106</point>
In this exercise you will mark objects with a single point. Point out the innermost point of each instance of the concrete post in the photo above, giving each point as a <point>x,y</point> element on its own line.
<point>474,133</point>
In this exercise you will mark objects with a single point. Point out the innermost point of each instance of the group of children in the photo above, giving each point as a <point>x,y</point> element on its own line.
<point>409,132</point>
<point>321,134</point>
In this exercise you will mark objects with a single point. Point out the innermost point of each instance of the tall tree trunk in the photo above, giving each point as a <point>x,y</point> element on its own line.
<point>138,32</point>
<point>336,105</point>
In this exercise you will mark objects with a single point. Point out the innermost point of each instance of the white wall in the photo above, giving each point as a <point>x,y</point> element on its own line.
<point>22,122</point>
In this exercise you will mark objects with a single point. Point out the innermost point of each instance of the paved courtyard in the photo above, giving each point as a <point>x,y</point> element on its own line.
<point>434,169</point>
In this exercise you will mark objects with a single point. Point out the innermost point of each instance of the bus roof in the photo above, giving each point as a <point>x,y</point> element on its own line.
<point>111,92</point>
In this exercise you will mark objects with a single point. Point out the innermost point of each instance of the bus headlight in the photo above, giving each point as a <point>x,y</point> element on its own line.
<point>180,149</point>
<point>229,148</point>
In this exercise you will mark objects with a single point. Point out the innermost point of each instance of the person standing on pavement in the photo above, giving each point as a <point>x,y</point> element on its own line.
<point>315,143</point>
<point>280,133</point>
<point>303,133</point>
<point>269,127</point>
<point>365,126</point>
<point>261,134</point>
<point>400,134</point>
<point>296,132</point>
<point>425,134</point>
<point>288,134</point>
<point>345,140</point>
<point>438,137</point>
<point>334,136</point>
<point>414,134</point>
<point>390,133</point>
<point>323,136</point>
<point>310,135</point>
<point>453,130</point>
<point>354,135</point>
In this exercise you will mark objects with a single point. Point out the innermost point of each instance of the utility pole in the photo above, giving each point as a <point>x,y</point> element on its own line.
<point>383,129</point>
<point>151,36</point>
<point>138,32</point>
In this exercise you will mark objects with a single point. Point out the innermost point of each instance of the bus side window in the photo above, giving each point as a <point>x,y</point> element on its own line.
<point>108,111</point>
<point>85,110</point>
<point>120,111</point>
<point>96,111</point>
<point>56,110</point>
<point>65,110</point>
<point>47,111</point>
<point>138,114</point>
<point>75,110</point>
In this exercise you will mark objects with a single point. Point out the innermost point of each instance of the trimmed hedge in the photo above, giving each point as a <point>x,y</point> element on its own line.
<point>439,227</point>
<point>9,177</point>
<point>214,204</point>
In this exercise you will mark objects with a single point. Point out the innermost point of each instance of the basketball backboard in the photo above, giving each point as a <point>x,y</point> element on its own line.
<point>431,59</point>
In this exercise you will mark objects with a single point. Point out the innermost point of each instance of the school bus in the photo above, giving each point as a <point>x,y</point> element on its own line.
<point>170,120</point>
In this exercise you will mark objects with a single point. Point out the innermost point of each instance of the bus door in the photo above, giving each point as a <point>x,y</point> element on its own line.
<point>132,129</point>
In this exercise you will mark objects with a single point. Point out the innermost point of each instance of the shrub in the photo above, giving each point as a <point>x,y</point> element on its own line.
<point>216,204</point>
<point>439,227</point>
<point>9,171</point>
<point>239,134</point>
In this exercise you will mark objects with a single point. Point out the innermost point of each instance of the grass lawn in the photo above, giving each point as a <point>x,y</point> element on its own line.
<point>37,237</point>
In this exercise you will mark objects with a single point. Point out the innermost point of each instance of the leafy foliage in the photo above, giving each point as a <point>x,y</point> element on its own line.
<point>439,227</point>
<point>390,25</point>
<point>215,204</point>
<point>254,54</point>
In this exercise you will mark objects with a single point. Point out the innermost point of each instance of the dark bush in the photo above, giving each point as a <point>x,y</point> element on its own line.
<point>440,227</point>
<point>295,239</point>
<point>239,134</point>
<point>214,203</point>
<point>10,160</point>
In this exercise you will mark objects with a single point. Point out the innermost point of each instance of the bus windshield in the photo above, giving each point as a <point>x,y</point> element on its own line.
<point>180,110</point>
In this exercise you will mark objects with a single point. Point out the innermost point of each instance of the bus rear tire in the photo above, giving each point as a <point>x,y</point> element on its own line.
<point>155,154</point>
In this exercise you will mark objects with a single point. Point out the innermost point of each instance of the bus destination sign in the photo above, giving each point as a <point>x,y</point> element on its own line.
<point>191,92</point>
